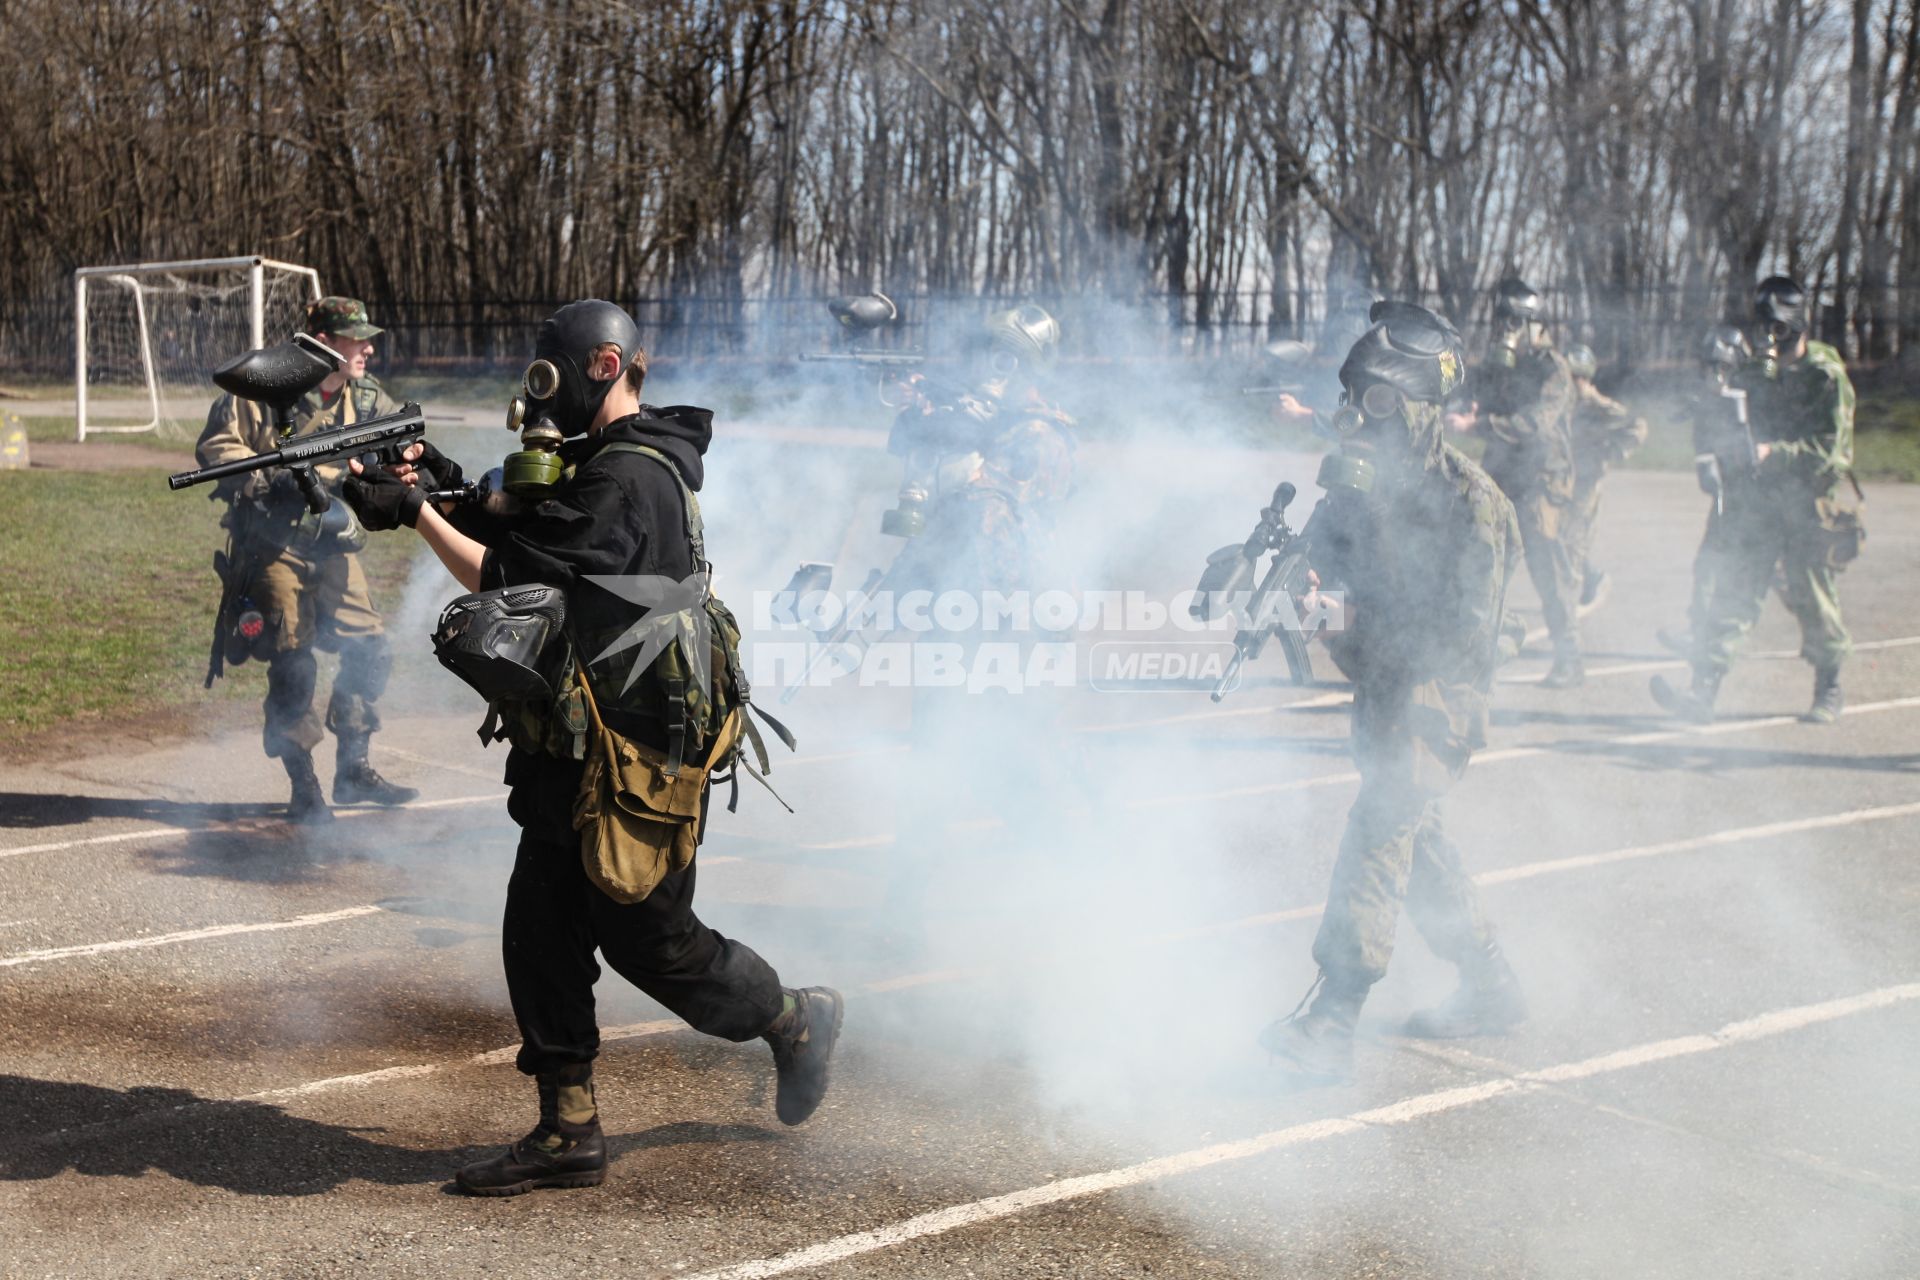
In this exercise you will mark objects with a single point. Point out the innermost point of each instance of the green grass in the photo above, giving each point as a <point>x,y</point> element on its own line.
<point>111,596</point>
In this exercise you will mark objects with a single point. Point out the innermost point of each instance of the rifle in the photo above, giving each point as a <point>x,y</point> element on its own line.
<point>809,578</point>
<point>866,359</point>
<point>1288,577</point>
<point>277,378</point>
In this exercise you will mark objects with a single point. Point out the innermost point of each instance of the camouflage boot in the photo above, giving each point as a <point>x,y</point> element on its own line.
<point>1317,1046</point>
<point>1828,701</point>
<point>803,1037</point>
<point>1696,704</point>
<point>1488,1003</point>
<point>566,1149</point>
<point>308,804</point>
<point>354,779</point>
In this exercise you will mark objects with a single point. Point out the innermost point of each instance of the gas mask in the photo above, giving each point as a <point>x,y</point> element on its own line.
<point>557,399</point>
<point>1777,343</point>
<point>1510,340</point>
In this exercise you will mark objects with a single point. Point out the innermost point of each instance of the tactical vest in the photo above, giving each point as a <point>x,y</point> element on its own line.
<point>692,711</point>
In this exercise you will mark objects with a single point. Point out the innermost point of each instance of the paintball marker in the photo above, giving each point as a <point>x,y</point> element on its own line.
<point>1289,577</point>
<point>859,317</point>
<point>815,577</point>
<point>276,378</point>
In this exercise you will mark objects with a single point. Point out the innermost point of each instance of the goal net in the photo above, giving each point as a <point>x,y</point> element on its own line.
<point>148,336</point>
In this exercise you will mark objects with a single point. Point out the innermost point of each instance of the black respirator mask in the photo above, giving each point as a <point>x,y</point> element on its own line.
<point>557,399</point>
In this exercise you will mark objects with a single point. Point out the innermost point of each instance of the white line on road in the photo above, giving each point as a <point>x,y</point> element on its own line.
<point>189,935</point>
<point>955,1217</point>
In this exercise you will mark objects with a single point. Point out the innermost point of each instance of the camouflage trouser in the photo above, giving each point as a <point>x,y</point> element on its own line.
<point>321,604</point>
<point>1709,566</point>
<point>1758,537</point>
<point>1395,852</point>
<point>1544,518</point>
<point>1577,523</point>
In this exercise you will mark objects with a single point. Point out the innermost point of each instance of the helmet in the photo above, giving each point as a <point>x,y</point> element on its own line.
<point>1516,300</point>
<point>1409,348</point>
<point>1779,301</point>
<point>1724,348</point>
<point>556,383</point>
<point>1582,361</point>
<point>1026,332</point>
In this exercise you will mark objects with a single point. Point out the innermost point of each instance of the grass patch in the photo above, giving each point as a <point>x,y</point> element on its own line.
<point>111,597</point>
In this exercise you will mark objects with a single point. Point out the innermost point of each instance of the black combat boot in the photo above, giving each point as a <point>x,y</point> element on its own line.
<point>1696,704</point>
<point>1317,1046</point>
<point>1488,1002</point>
<point>354,779</point>
<point>1680,642</point>
<point>803,1037</point>
<point>1594,589</point>
<point>309,803</point>
<point>566,1149</point>
<point>1827,698</point>
<point>1567,672</point>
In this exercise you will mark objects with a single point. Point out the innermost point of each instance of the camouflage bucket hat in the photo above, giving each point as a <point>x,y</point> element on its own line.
<point>342,317</point>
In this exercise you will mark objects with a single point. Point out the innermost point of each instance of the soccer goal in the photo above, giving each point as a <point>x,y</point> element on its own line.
<point>147,336</point>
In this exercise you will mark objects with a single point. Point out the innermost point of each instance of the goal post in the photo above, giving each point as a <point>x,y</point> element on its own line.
<point>148,335</point>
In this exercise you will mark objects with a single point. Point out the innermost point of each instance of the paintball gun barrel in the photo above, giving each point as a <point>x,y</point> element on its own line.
<point>374,441</point>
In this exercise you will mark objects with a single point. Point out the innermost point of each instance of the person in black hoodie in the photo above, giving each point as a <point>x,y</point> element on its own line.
<point>619,513</point>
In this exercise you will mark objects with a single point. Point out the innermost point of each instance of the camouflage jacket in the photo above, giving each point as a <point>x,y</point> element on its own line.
<point>1003,477</point>
<point>240,429</point>
<point>1528,415</point>
<point>1605,432</point>
<point>1806,416</point>
<point>1425,566</point>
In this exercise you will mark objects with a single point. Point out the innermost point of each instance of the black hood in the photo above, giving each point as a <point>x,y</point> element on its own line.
<point>680,431</point>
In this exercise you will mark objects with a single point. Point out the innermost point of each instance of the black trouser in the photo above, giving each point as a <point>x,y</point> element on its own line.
<point>555,919</point>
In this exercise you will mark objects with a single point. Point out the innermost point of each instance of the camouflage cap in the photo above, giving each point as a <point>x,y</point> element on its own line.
<point>342,317</point>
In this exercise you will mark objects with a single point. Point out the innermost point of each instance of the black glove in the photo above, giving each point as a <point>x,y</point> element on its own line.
<point>438,471</point>
<point>383,501</point>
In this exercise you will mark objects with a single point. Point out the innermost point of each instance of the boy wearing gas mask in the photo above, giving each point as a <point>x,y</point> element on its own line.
<point>1526,398</point>
<point>301,575</point>
<point>1605,434</point>
<point>1424,555</point>
<point>608,500</point>
<point>1799,404</point>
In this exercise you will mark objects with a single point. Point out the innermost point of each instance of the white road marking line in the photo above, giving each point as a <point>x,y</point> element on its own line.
<point>1405,1111</point>
<point>164,833</point>
<point>491,775</point>
<point>507,1054</point>
<point>188,935</point>
<point>1505,875</point>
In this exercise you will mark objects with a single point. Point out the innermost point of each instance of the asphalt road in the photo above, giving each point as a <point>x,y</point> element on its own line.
<point>235,1048</point>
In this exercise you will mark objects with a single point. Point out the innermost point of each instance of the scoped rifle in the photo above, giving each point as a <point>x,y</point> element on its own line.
<point>276,378</point>
<point>1289,577</point>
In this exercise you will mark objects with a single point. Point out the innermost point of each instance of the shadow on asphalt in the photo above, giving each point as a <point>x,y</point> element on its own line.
<point>32,809</point>
<point>252,1148</point>
<point>1667,757</point>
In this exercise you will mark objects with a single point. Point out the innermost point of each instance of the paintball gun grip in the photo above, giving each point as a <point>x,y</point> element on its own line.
<point>311,489</point>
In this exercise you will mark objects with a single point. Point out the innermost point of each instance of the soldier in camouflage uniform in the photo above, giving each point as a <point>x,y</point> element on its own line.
<point>1723,463</point>
<point>1800,410</point>
<point>1605,433</point>
<point>988,470</point>
<point>302,575</point>
<point>1425,559</point>
<point>1526,400</point>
